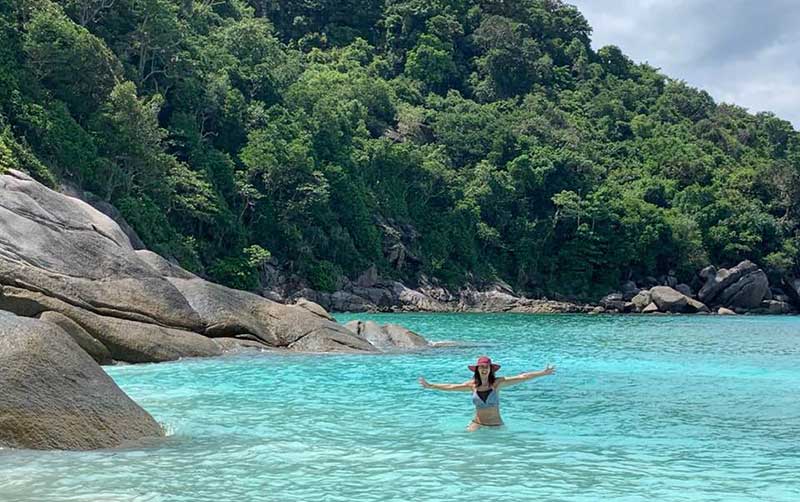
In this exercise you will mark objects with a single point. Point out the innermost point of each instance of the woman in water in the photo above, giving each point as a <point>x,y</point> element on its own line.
<point>485,388</point>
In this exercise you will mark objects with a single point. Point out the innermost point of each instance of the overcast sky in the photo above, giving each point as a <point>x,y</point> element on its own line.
<point>745,52</point>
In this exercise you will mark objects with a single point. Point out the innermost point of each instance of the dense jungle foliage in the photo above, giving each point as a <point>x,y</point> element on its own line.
<point>481,139</point>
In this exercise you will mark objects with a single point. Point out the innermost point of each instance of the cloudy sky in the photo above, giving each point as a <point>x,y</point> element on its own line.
<point>745,52</point>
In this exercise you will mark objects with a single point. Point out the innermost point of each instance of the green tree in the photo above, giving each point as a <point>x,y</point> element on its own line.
<point>77,66</point>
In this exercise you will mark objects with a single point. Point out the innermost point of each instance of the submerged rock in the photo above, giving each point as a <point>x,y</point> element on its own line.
<point>54,396</point>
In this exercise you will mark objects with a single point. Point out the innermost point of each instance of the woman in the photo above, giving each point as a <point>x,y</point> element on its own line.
<point>485,388</point>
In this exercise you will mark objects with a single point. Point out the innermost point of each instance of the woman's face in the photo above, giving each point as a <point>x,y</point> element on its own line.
<point>484,370</point>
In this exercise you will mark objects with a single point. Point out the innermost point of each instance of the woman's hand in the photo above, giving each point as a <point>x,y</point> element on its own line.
<point>549,370</point>
<point>424,383</point>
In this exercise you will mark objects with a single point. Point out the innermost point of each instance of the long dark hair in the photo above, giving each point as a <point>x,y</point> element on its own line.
<point>476,377</point>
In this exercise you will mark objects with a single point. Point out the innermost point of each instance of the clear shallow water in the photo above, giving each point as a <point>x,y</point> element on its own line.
<point>657,408</point>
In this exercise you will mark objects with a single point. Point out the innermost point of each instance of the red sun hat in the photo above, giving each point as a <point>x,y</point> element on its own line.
<point>484,360</point>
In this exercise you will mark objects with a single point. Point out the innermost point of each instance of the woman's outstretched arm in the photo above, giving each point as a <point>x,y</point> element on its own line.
<point>446,386</point>
<point>506,381</point>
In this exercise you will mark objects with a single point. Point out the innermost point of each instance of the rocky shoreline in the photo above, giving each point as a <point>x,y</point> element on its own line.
<point>393,296</point>
<point>743,289</point>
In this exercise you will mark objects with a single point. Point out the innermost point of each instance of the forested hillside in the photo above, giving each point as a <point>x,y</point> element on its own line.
<point>464,140</point>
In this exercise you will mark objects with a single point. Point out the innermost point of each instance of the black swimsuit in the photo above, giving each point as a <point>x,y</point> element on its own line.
<point>483,394</point>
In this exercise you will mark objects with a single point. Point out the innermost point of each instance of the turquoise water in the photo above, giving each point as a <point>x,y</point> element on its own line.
<point>641,408</point>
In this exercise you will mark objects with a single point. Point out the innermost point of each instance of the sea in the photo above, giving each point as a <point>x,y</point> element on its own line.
<point>662,408</point>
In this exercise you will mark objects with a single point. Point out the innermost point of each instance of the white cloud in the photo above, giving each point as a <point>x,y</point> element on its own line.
<point>745,52</point>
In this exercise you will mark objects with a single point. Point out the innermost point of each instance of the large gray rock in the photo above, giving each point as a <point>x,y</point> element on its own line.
<point>492,301</point>
<point>231,345</point>
<point>129,341</point>
<point>230,312</point>
<point>529,306</point>
<point>54,396</point>
<point>321,341</point>
<point>66,249</point>
<point>747,292</point>
<point>436,291</point>
<point>388,336</point>
<point>668,300</point>
<point>59,254</point>
<point>164,267</point>
<point>344,301</point>
<point>416,300</point>
<point>368,278</point>
<point>321,298</point>
<point>105,208</point>
<point>717,283</point>
<point>376,297</point>
<point>707,272</point>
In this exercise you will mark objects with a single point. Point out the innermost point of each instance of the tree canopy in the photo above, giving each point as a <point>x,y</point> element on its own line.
<point>487,138</point>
